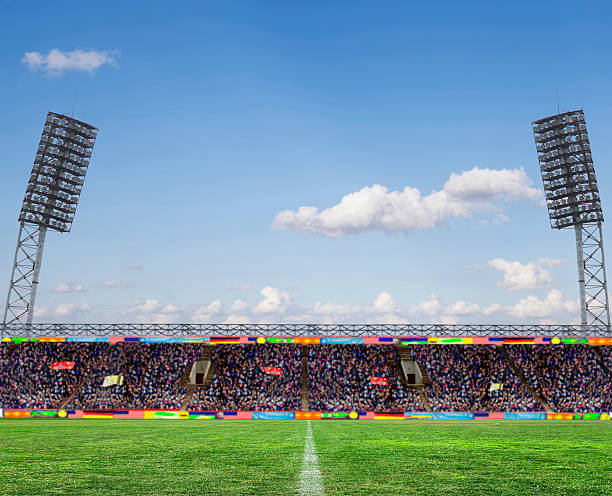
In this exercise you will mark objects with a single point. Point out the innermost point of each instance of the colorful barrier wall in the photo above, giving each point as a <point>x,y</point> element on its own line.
<point>243,415</point>
<point>403,341</point>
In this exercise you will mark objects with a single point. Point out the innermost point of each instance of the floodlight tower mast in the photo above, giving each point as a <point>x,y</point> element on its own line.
<point>572,197</point>
<point>50,202</point>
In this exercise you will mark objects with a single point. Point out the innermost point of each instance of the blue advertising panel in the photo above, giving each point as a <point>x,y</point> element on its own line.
<point>273,415</point>
<point>525,416</point>
<point>341,340</point>
<point>452,415</point>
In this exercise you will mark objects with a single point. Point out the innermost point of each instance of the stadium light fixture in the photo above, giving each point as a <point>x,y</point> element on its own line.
<point>572,197</point>
<point>50,202</point>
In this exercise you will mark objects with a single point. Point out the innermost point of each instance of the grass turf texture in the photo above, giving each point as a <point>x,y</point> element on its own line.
<point>132,457</point>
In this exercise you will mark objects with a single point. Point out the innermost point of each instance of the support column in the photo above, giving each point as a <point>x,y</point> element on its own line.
<point>19,307</point>
<point>42,234</point>
<point>605,278</point>
<point>580,262</point>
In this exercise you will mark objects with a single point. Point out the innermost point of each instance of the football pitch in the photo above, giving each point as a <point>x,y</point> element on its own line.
<point>333,457</point>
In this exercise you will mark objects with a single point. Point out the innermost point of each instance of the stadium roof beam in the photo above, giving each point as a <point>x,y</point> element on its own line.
<point>50,202</point>
<point>304,330</point>
<point>572,197</point>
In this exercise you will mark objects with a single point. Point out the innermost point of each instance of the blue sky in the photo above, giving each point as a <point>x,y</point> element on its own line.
<point>216,116</point>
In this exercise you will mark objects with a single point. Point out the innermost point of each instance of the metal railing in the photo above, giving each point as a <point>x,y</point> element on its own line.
<point>302,330</point>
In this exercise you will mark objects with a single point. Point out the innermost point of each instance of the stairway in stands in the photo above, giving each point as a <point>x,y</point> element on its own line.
<point>521,376</point>
<point>304,377</point>
<point>76,389</point>
<point>11,350</point>
<point>404,354</point>
<point>600,358</point>
<point>190,388</point>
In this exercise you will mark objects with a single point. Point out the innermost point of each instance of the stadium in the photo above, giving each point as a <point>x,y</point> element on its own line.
<point>233,408</point>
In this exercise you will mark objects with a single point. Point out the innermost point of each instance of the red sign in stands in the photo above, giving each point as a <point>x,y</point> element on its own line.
<point>273,370</point>
<point>379,380</point>
<point>62,365</point>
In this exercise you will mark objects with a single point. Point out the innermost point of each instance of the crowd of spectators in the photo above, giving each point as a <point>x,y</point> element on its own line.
<point>28,381</point>
<point>4,351</point>
<point>462,375</point>
<point>339,379</point>
<point>568,377</point>
<point>514,396</point>
<point>151,373</point>
<point>606,353</point>
<point>240,382</point>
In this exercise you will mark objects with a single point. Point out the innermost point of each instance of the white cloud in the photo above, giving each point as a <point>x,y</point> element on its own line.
<point>489,184</point>
<point>152,311</point>
<point>112,284</point>
<point>549,262</point>
<point>204,315</point>
<point>160,318</point>
<point>66,309</point>
<point>572,306</point>
<point>278,306</point>
<point>532,306</point>
<point>518,276</point>
<point>429,307</point>
<point>462,308</point>
<point>491,309</point>
<point>143,307</point>
<point>239,306</point>
<point>376,208</point>
<point>134,267</point>
<point>214,307</point>
<point>448,320</point>
<point>501,218</point>
<point>63,310</point>
<point>69,287</point>
<point>384,303</point>
<point>275,301</point>
<point>237,319</point>
<point>334,309</point>
<point>42,312</point>
<point>57,61</point>
<point>167,309</point>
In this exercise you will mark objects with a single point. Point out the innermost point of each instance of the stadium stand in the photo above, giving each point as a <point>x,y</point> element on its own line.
<point>461,379</point>
<point>339,378</point>
<point>328,378</point>
<point>28,380</point>
<point>151,377</point>
<point>240,382</point>
<point>569,377</point>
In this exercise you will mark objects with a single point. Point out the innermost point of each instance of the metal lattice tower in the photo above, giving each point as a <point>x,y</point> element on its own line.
<point>50,202</point>
<point>572,197</point>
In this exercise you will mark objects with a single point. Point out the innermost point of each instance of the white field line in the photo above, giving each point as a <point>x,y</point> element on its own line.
<point>311,482</point>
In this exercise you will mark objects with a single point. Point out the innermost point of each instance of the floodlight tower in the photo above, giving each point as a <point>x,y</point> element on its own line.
<point>50,202</point>
<point>572,197</point>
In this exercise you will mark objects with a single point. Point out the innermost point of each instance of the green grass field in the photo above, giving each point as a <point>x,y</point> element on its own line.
<point>133,457</point>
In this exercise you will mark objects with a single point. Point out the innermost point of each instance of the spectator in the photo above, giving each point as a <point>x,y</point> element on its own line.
<point>151,373</point>
<point>461,378</point>
<point>27,380</point>
<point>240,383</point>
<point>339,379</point>
<point>568,377</point>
